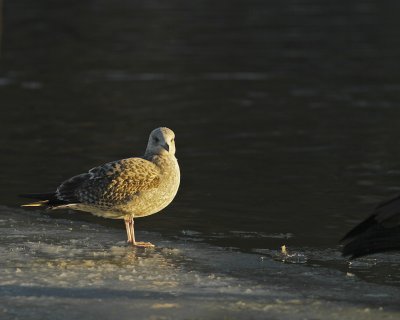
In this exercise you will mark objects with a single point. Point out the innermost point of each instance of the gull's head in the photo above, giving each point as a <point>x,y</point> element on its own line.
<point>161,141</point>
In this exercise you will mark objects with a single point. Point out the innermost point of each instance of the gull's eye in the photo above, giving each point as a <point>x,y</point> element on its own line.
<point>156,140</point>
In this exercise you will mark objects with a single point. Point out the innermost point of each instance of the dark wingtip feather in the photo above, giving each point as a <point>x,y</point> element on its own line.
<point>387,202</point>
<point>355,249</point>
<point>46,199</point>
<point>380,232</point>
<point>360,228</point>
<point>377,239</point>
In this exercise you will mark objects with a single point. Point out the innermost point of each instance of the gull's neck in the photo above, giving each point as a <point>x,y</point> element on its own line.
<point>151,155</point>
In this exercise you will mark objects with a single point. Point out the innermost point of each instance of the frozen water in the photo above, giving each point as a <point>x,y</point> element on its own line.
<point>61,269</point>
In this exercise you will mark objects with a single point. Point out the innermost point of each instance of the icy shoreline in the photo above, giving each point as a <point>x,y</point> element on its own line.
<point>61,269</point>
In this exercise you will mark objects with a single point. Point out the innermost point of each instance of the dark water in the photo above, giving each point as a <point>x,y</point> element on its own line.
<point>286,113</point>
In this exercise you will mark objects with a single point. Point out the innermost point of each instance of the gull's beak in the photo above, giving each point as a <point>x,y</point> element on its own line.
<point>166,147</point>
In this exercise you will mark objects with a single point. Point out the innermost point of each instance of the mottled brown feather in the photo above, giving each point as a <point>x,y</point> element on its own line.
<point>112,184</point>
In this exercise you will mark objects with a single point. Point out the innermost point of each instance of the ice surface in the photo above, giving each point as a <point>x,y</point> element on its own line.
<point>61,269</point>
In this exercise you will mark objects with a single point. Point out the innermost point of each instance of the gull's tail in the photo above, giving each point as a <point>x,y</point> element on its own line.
<point>42,203</point>
<point>47,200</point>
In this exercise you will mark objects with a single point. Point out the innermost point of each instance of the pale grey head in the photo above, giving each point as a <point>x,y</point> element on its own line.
<point>161,142</point>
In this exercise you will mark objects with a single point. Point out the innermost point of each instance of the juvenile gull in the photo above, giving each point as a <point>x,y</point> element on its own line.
<point>123,189</point>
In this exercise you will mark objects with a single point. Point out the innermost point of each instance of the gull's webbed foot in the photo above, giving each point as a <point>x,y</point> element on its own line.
<point>143,244</point>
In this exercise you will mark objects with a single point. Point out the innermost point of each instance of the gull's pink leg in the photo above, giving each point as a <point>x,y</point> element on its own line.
<point>128,230</point>
<point>138,244</point>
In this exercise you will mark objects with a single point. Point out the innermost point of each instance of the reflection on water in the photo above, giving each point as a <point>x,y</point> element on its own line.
<point>285,113</point>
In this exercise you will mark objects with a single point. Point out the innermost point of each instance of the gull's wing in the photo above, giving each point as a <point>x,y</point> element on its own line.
<point>113,183</point>
<point>378,233</point>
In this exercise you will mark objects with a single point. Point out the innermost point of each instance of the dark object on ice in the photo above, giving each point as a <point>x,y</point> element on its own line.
<point>378,233</point>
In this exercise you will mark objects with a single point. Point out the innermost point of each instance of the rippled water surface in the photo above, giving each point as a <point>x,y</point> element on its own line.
<point>286,116</point>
